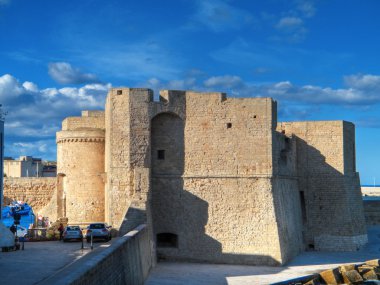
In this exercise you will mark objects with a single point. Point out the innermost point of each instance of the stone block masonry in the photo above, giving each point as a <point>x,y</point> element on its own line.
<point>215,179</point>
<point>37,192</point>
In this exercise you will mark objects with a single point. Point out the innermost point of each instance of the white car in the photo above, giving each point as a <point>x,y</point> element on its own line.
<point>98,231</point>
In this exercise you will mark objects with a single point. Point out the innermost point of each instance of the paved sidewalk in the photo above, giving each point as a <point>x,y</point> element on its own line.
<point>39,260</point>
<point>304,264</point>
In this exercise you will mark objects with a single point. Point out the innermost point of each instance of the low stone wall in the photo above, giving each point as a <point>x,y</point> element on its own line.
<point>127,260</point>
<point>37,192</point>
<point>372,212</point>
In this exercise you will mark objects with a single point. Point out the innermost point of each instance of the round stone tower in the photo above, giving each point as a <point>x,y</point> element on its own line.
<point>80,168</point>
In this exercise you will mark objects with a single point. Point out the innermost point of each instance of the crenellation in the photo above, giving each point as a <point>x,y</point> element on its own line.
<point>215,178</point>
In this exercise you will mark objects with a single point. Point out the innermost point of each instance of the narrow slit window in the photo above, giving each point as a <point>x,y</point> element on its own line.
<point>161,154</point>
<point>303,206</point>
<point>229,125</point>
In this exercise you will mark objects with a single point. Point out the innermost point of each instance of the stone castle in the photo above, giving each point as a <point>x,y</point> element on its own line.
<point>215,179</point>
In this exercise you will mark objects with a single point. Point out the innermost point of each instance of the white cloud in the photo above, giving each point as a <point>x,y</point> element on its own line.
<point>226,81</point>
<point>367,81</point>
<point>138,61</point>
<point>30,86</point>
<point>64,73</point>
<point>289,23</point>
<point>10,87</point>
<point>37,113</point>
<point>306,7</point>
<point>218,15</point>
<point>361,90</point>
<point>38,148</point>
<point>291,28</point>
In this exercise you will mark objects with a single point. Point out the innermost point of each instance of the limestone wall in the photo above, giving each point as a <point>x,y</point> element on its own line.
<point>227,136</point>
<point>225,220</point>
<point>288,212</point>
<point>211,176</point>
<point>89,119</point>
<point>334,209</point>
<point>217,198</point>
<point>118,190</point>
<point>126,261</point>
<point>217,161</point>
<point>37,192</point>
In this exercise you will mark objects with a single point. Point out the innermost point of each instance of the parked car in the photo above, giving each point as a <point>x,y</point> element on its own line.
<point>72,233</point>
<point>98,231</point>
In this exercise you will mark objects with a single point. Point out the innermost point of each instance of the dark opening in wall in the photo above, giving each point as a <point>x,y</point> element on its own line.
<point>303,206</point>
<point>119,92</point>
<point>284,156</point>
<point>167,240</point>
<point>161,154</point>
<point>254,116</point>
<point>229,125</point>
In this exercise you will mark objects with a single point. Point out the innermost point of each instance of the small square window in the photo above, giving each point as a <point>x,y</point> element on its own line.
<point>161,154</point>
<point>119,92</point>
<point>229,125</point>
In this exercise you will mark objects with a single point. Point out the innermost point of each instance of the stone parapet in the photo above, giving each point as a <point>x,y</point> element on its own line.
<point>126,261</point>
<point>81,136</point>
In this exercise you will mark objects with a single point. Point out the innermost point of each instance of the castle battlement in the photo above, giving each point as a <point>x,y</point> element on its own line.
<point>215,178</point>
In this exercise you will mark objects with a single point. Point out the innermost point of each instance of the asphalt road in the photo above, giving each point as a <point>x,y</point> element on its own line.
<point>39,260</point>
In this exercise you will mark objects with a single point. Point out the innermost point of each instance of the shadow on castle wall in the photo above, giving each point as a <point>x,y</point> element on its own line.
<point>333,204</point>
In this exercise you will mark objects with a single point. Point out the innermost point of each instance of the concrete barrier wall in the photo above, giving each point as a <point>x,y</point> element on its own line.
<point>127,260</point>
<point>370,190</point>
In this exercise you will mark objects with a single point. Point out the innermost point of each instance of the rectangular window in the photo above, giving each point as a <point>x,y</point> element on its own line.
<point>161,154</point>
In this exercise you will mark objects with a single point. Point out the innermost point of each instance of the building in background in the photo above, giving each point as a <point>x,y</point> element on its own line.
<point>49,169</point>
<point>28,166</point>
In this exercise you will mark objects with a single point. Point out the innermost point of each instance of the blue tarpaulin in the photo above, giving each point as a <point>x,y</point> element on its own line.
<point>27,216</point>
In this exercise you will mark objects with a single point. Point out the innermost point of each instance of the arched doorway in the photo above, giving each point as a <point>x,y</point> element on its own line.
<point>167,165</point>
<point>167,144</point>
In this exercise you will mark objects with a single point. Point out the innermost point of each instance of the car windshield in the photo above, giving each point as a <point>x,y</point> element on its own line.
<point>75,228</point>
<point>97,226</point>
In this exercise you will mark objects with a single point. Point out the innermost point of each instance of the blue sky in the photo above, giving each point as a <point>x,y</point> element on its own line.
<point>318,59</point>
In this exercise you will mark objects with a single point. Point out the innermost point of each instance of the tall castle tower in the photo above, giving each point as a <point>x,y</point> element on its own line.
<point>80,169</point>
